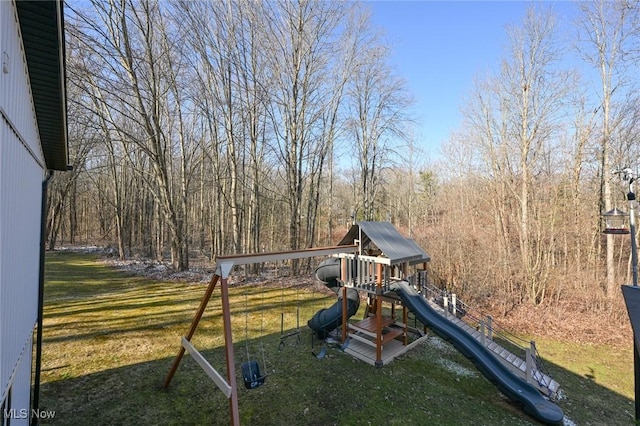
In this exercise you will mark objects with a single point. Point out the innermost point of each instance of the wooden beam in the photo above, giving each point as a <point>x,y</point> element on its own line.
<point>192,329</point>
<point>379,272</point>
<point>244,259</point>
<point>375,259</point>
<point>211,372</point>
<point>378,331</point>
<point>405,320</point>
<point>230,356</point>
<point>345,316</point>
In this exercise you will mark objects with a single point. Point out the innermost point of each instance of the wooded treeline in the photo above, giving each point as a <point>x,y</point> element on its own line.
<point>239,126</point>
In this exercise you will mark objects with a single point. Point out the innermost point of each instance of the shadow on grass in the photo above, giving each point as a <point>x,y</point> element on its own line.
<point>415,389</point>
<point>105,365</point>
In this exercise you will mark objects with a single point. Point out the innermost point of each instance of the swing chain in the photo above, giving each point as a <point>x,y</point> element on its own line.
<point>297,331</point>
<point>251,369</point>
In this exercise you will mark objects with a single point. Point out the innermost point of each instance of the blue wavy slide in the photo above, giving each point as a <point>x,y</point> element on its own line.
<point>515,388</point>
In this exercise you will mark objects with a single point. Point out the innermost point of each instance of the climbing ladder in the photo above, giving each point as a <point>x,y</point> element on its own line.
<point>502,344</point>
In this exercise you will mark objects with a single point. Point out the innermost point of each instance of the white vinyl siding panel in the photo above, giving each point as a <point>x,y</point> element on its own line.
<point>21,175</point>
<point>16,103</point>
<point>20,189</point>
<point>21,388</point>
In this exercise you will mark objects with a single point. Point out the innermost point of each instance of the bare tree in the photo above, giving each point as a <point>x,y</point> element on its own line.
<point>608,41</point>
<point>131,43</point>
<point>303,37</point>
<point>62,193</point>
<point>378,103</point>
<point>515,119</point>
<point>218,122</point>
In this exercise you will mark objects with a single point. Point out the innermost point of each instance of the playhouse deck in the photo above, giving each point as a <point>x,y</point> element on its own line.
<point>362,340</point>
<point>364,351</point>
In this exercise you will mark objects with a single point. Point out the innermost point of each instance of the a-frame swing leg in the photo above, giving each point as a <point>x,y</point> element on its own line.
<point>231,360</point>
<point>230,356</point>
<point>192,329</point>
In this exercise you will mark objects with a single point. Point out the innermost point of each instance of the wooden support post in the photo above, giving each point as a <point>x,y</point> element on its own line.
<point>231,362</point>
<point>482,333</point>
<point>446,306</point>
<point>207,368</point>
<point>454,303</point>
<point>405,320</point>
<point>192,329</point>
<point>379,316</point>
<point>490,327</point>
<point>345,316</point>
<point>378,331</point>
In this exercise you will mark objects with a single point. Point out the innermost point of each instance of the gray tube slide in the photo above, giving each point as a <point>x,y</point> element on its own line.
<point>516,389</point>
<point>328,271</point>
<point>326,320</point>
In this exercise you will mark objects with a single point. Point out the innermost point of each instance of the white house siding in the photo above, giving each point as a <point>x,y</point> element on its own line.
<point>21,176</point>
<point>15,93</point>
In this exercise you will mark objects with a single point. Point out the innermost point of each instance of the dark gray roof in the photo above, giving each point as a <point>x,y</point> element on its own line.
<point>41,24</point>
<point>424,257</point>
<point>386,237</point>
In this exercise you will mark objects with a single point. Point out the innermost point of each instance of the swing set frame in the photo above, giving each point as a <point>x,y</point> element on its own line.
<point>224,267</point>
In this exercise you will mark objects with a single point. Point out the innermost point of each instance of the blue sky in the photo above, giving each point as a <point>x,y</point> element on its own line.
<point>439,47</point>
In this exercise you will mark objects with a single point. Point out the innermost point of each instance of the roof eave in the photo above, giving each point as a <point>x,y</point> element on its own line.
<point>42,28</point>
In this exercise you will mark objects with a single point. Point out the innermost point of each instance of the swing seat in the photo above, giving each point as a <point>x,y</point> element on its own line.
<point>251,375</point>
